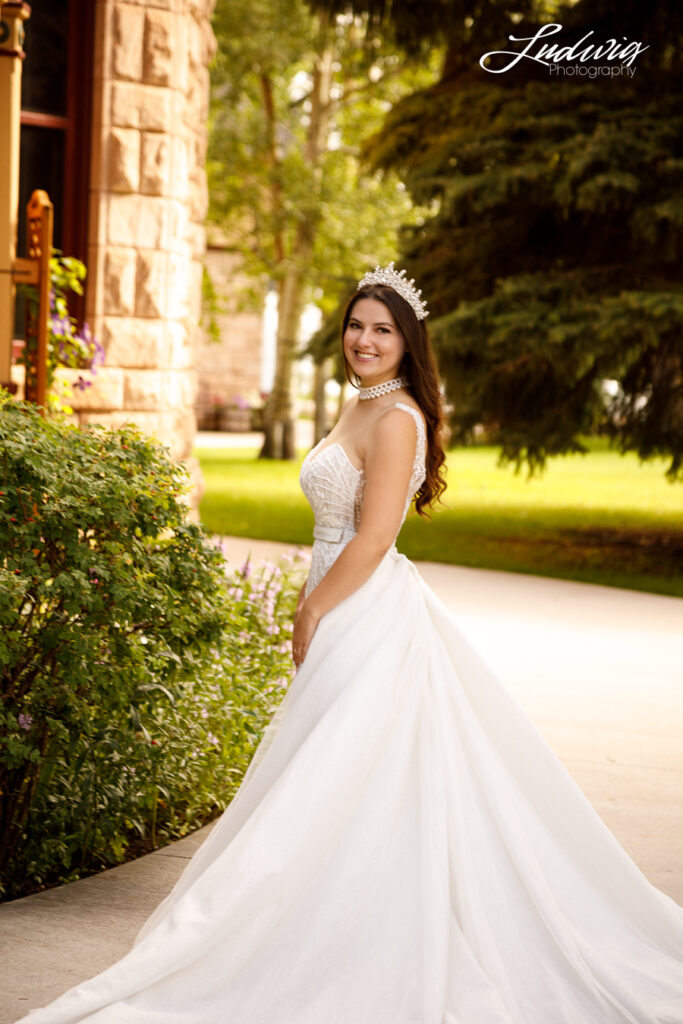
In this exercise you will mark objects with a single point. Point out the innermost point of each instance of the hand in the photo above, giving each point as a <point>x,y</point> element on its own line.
<point>305,625</point>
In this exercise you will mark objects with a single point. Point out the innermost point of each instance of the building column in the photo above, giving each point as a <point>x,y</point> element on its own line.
<point>12,17</point>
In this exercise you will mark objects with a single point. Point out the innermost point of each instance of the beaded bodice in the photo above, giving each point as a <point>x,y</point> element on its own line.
<point>334,488</point>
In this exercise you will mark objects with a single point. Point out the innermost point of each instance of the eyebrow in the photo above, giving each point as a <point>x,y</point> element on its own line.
<point>378,323</point>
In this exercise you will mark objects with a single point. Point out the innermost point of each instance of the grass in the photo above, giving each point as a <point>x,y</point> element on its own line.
<point>601,518</point>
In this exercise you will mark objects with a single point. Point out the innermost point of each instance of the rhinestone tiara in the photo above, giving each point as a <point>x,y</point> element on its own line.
<point>397,280</point>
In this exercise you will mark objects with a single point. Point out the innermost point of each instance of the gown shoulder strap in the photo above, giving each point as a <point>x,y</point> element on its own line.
<point>421,445</point>
<point>414,413</point>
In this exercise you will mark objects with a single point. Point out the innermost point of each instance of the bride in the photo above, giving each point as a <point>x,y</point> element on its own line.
<point>405,848</point>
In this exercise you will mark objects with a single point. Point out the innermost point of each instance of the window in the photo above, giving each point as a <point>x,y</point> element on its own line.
<point>56,106</point>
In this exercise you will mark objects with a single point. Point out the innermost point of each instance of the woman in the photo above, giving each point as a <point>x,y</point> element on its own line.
<point>405,848</point>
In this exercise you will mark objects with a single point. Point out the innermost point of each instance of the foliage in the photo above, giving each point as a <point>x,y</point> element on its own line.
<point>601,518</point>
<point>211,307</point>
<point>414,25</point>
<point>68,344</point>
<point>146,775</point>
<point>551,258</point>
<point>262,184</point>
<point>121,651</point>
<point>293,97</point>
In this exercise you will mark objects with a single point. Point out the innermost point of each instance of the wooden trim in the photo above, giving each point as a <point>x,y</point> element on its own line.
<point>17,7</point>
<point>17,10</point>
<point>38,120</point>
<point>40,218</point>
<point>79,92</point>
<point>76,127</point>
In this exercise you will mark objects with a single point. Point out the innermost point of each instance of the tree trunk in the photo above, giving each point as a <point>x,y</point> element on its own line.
<point>341,400</point>
<point>320,416</point>
<point>279,440</point>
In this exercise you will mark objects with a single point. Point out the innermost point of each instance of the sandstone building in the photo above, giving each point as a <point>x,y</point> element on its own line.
<point>114,127</point>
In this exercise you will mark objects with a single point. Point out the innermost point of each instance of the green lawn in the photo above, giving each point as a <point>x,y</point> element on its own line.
<point>602,517</point>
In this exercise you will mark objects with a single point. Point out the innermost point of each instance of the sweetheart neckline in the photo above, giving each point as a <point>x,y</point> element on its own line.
<point>312,454</point>
<point>333,444</point>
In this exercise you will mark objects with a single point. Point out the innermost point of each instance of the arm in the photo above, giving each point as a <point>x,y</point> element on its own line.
<point>300,601</point>
<point>302,597</point>
<point>389,456</point>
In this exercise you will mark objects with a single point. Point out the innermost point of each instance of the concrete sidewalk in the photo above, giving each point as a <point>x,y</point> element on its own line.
<point>600,672</point>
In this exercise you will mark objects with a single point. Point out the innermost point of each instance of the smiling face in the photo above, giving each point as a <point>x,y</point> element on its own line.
<point>373,345</point>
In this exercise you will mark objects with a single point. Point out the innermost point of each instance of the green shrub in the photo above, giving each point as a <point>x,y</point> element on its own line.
<point>135,678</point>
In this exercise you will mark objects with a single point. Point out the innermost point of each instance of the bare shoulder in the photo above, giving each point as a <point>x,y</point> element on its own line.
<point>394,431</point>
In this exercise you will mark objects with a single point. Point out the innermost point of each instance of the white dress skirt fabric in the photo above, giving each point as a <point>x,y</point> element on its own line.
<point>405,849</point>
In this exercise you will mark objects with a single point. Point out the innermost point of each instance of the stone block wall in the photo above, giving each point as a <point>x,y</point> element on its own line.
<point>230,368</point>
<point>148,202</point>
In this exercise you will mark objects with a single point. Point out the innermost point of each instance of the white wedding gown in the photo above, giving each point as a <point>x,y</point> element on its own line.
<point>405,848</point>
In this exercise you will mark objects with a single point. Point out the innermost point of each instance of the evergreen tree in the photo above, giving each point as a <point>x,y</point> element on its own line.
<point>552,259</point>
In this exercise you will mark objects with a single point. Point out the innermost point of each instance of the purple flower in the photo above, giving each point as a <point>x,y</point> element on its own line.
<point>59,326</point>
<point>245,570</point>
<point>222,546</point>
<point>97,351</point>
<point>81,383</point>
<point>25,721</point>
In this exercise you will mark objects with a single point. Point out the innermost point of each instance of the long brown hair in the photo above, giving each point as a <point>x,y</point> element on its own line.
<point>419,366</point>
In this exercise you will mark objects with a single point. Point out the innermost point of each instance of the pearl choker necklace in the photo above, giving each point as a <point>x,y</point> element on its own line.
<point>382,389</point>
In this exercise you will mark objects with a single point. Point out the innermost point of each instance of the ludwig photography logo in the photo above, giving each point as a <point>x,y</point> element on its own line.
<point>578,59</point>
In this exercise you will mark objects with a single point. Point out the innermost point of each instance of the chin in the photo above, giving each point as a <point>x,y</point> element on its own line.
<point>361,366</point>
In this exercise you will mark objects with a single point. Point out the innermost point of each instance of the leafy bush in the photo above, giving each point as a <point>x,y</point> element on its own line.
<point>129,664</point>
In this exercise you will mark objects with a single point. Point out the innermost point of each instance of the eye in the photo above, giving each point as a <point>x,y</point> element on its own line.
<point>383,330</point>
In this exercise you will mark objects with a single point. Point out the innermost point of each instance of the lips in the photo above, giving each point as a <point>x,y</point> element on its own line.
<point>364,357</point>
